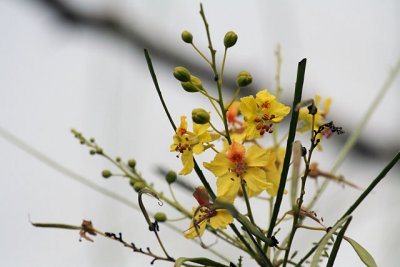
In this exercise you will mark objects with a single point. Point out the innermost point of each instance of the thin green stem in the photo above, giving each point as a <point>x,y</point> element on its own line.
<point>246,199</point>
<point>201,54</point>
<point>172,193</point>
<point>216,130</point>
<point>223,67</point>
<point>292,132</point>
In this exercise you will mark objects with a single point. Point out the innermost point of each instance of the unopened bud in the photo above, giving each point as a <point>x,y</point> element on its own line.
<point>106,174</point>
<point>194,85</point>
<point>187,37</point>
<point>200,116</point>
<point>230,39</point>
<point>312,109</point>
<point>182,74</point>
<point>160,217</point>
<point>244,78</point>
<point>171,177</point>
<point>132,163</point>
<point>138,186</point>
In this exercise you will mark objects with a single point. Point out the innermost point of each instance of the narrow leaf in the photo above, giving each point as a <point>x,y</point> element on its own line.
<point>336,246</point>
<point>325,240</point>
<point>362,253</point>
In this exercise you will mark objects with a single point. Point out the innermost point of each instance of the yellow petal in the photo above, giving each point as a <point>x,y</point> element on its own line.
<point>221,220</point>
<point>228,187</point>
<point>264,96</point>
<point>187,161</point>
<point>248,107</point>
<point>219,166</point>
<point>191,233</point>
<point>257,157</point>
<point>183,126</point>
<point>199,148</point>
<point>279,110</point>
<point>256,179</point>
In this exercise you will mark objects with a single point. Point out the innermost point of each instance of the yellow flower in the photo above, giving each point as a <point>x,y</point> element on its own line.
<point>261,112</point>
<point>204,214</point>
<point>237,163</point>
<point>187,143</point>
<point>217,219</point>
<point>306,119</point>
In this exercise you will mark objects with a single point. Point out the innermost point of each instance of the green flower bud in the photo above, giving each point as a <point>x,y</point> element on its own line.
<point>106,174</point>
<point>187,37</point>
<point>138,186</point>
<point>132,163</point>
<point>99,150</point>
<point>200,116</point>
<point>193,86</point>
<point>171,177</point>
<point>244,78</point>
<point>312,109</point>
<point>182,74</point>
<point>160,217</point>
<point>92,152</point>
<point>230,39</point>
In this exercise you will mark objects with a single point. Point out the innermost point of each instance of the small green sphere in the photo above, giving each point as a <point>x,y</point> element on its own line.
<point>230,39</point>
<point>138,186</point>
<point>244,78</point>
<point>160,217</point>
<point>99,150</point>
<point>132,163</point>
<point>200,116</point>
<point>187,37</point>
<point>106,173</point>
<point>171,177</point>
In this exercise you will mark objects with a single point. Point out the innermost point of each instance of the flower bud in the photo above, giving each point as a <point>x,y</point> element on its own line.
<point>200,116</point>
<point>132,163</point>
<point>171,177</point>
<point>182,74</point>
<point>160,217</point>
<point>187,37</point>
<point>230,39</point>
<point>193,86</point>
<point>312,109</point>
<point>138,186</point>
<point>106,174</point>
<point>244,78</point>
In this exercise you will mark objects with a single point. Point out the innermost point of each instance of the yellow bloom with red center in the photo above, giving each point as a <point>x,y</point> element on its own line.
<point>186,143</point>
<point>261,113</point>
<point>204,214</point>
<point>236,164</point>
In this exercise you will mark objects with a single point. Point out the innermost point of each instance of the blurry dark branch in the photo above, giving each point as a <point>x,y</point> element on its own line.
<point>116,28</point>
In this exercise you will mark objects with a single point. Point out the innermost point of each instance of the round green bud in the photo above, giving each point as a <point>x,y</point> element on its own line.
<point>193,86</point>
<point>132,163</point>
<point>200,116</point>
<point>92,140</point>
<point>182,74</point>
<point>244,78</point>
<point>118,159</point>
<point>171,177</point>
<point>160,217</point>
<point>230,39</point>
<point>138,186</point>
<point>99,150</point>
<point>187,37</point>
<point>92,152</point>
<point>106,174</point>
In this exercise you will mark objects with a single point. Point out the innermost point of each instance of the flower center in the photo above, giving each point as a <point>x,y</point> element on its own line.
<point>236,154</point>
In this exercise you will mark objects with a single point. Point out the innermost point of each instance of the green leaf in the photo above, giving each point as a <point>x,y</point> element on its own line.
<point>362,253</point>
<point>338,241</point>
<point>204,261</point>
<point>324,241</point>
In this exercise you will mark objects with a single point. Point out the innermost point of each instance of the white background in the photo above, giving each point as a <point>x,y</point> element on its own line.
<point>54,77</point>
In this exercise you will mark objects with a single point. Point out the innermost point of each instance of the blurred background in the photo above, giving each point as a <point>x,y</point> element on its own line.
<point>80,64</point>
